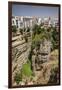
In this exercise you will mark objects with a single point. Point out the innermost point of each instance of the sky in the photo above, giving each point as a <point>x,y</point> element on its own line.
<point>39,11</point>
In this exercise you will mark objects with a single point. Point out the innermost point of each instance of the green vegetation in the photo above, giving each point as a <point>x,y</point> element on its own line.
<point>36,41</point>
<point>41,33</point>
<point>18,77</point>
<point>14,29</point>
<point>54,76</point>
<point>37,38</point>
<point>55,38</point>
<point>26,69</point>
<point>36,30</point>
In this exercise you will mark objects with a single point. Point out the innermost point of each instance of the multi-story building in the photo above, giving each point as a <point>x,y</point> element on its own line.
<point>25,21</point>
<point>17,21</point>
<point>47,22</point>
<point>28,21</point>
<point>39,21</point>
<point>22,21</point>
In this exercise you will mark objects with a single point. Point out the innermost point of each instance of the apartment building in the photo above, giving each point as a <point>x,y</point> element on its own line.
<point>22,21</point>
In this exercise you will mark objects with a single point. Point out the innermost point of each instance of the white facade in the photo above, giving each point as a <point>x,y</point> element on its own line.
<point>27,21</point>
<point>39,21</point>
<point>22,22</point>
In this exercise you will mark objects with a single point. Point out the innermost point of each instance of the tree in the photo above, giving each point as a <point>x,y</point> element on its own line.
<point>38,31</point>
<point>14,29</point>
<point>55,37</point>
<point>35,29</point>
<point>18,77</point>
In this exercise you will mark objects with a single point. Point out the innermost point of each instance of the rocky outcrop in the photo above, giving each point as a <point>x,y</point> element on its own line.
<point>44,75</point>
<point>41,55</point>
<point>20,52</point>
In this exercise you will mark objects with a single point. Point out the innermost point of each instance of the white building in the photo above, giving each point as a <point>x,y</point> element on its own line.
<point>47,22</point>
<point>39,21</point>
<point>22,21</point>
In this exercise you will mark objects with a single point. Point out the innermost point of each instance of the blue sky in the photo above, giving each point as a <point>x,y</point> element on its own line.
<point>39,11</point>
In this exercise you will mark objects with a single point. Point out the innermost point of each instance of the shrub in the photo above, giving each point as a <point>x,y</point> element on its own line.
<point>26,69</point>
<point>36,41</point>
<point>14,29</point>
<point>55,37</point>
<point>18,77</point>
<point>54,76</point>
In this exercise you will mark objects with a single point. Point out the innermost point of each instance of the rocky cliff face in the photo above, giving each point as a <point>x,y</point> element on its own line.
<point>20,52</point>
<point>49,72</point>
<point>44,62</point>
<point>41,54</point>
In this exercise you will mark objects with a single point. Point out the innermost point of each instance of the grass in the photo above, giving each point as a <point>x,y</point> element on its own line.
<point>26,70</point>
